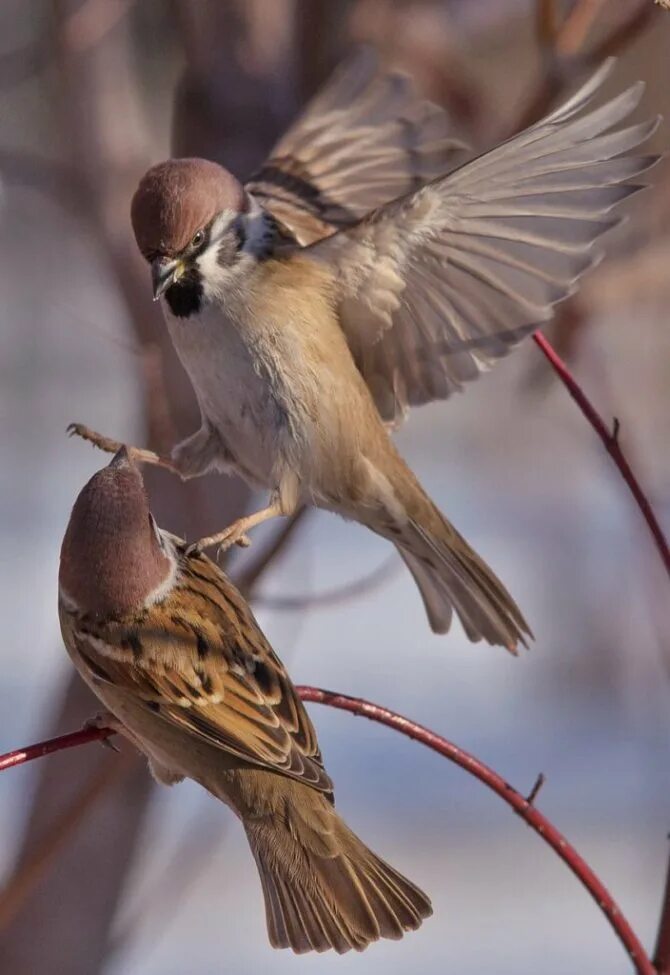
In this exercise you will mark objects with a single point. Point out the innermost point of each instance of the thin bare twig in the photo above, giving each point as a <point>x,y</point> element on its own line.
<point>610,439</point>
<point>522,806</point>
<point>535,791</point>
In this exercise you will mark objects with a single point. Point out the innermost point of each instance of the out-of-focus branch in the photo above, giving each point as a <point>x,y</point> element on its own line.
<point>89,23</point>
<point>562,44</point>
<point>61,840</point>
<point>610,439</point>
<point>523,806</point>
<point>338,595</point>
<point>248,579</point>
<point>24,879</point>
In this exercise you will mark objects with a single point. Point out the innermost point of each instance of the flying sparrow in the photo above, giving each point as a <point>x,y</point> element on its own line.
<point>310,312</point>
<point>172,649</point>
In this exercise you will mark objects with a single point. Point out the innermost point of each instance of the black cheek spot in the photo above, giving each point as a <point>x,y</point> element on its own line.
<point>154,706</point>
<point>186,297</point>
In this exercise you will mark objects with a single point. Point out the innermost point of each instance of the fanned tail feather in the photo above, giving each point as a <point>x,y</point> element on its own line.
<point>331,894</point>
<point>451,576</point>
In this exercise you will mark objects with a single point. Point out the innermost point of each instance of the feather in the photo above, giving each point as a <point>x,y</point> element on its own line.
<point>455,274</point>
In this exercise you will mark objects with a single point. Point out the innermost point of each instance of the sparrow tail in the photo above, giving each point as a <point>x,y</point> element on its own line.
<point>450,575</point>
<point>326,889</point>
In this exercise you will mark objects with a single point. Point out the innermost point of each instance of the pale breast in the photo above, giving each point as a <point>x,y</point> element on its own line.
<point>238,391</point>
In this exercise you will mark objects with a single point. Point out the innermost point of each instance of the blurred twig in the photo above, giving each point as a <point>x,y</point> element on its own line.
<point>28,873</point>
<point>524,807</point>
<point>88,24</point>
<point>247,580</point>
<point>67,860</point>
<point>561,45</point>
<point>338,595</point>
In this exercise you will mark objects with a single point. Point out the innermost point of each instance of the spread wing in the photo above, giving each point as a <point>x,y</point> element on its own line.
<point>200,661</point>
<point>365,139</point>
<point>435,287</point>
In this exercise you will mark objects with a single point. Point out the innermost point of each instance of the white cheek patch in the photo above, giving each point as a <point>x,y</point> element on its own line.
<point>212,274</point>
<point>164,588</point>
<point>216,277</point>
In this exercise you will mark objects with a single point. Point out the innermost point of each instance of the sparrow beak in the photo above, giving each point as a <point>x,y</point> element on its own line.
<point>164,273</point>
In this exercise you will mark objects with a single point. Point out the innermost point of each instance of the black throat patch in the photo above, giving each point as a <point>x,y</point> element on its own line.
<point>185,298</point>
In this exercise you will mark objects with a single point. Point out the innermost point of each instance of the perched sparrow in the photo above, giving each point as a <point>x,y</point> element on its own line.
<point>172,649</point>
<point>310,313</point>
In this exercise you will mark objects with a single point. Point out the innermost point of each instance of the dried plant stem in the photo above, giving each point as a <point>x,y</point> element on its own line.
<point>524,807</point>
<point>610,439</point>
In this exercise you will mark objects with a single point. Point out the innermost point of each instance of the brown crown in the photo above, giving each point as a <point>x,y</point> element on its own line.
<point>177,198</point>
<point>110,558</point>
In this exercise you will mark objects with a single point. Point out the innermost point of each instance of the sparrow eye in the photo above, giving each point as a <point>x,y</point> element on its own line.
<point>198,239</point>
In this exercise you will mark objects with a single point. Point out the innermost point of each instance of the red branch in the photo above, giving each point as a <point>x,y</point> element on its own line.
<point>23,755</point>
<point>610,439</point>
<point>521,805</point>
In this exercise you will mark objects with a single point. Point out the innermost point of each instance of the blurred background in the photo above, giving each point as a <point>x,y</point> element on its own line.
<point>100,870</point>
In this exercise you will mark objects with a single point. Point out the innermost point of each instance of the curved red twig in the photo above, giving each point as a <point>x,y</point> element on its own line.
<point>610,440</point>
<point>521,805</point>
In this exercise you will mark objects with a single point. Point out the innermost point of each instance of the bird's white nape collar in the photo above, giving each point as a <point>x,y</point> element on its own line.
<point>257,226</point>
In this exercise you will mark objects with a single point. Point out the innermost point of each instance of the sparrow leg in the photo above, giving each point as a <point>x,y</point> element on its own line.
<point>235,534</point>
<point>112,446</point>
<point>199,453</point>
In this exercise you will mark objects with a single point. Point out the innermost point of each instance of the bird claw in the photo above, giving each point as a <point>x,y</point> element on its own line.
<point>242,540</point>
<point>224,541</point>
<point>98,440</point>
<point>104,720</point>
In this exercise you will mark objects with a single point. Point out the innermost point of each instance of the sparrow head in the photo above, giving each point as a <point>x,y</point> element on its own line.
<point>114,559</point>
<point>190,220</point>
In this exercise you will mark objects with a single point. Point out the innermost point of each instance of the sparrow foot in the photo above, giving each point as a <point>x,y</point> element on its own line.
<point>138,454</point>
<point>225,540</point>
<point>105,720</point>
<point>236,534</point>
